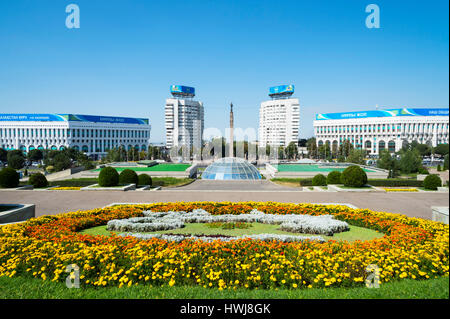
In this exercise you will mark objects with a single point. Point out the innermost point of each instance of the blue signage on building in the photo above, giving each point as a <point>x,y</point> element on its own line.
<point>71,118</point>
<point>281,89</point>
<point>383,113</point>
<point>32,117</point>
<point>182,90</point>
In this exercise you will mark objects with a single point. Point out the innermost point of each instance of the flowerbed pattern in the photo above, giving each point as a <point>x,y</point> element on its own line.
<point>43,247</point>
<point>296,223</point>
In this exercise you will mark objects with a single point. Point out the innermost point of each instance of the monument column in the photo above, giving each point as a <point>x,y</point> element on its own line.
<point>231,147</point>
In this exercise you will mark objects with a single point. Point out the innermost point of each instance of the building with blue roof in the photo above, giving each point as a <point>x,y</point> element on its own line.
<point>91,134</point>
<point>377,130</point>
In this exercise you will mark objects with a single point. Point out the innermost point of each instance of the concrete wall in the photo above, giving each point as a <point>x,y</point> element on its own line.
<point>17,213</point>
<point>64,174</point>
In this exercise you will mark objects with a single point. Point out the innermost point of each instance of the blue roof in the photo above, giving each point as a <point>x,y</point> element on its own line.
<point>72,118</point>
<point>383,113</point>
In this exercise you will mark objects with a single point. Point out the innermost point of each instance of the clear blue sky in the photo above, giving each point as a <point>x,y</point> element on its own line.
<point>127,53</point>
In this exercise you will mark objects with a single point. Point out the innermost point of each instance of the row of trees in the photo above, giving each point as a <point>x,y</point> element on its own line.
<point>342,153</point>
<point>57,160</point>
<point>123,155</point>
<point>410,158</point>
<point>160,152</point>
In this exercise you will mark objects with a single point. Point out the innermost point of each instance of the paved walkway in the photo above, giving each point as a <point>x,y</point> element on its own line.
<point>52,202</point>
<point>208,185</point>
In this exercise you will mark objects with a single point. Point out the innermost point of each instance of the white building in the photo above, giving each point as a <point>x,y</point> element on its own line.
<point>383,129</point>
<point>93,135</point>
<point>184,118</point>
<point>279,118</point>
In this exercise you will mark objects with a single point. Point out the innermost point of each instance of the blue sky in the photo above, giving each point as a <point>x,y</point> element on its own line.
<point>127,53</point>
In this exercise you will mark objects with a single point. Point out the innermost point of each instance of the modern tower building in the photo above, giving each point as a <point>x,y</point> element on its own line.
<point>279,118</point>
<point>184,118</point>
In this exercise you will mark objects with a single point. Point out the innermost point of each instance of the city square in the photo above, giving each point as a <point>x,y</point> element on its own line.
<point>183,170</point>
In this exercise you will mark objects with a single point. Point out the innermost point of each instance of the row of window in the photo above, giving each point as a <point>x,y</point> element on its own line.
<point>63,132</point>
<point>406,127</point>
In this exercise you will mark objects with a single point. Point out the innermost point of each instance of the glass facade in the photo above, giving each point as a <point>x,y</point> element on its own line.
<point>231,168</point>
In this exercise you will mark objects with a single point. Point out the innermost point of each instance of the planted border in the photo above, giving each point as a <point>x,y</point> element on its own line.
<point>43,247</point>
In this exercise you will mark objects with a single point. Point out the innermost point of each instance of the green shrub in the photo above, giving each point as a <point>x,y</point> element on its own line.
<point>50,169</point>
<point>423,170</point>
<point>9,178</point>
<point>432,182</point>
<point>439,168</point>
<point>391,182</point>
<point>16,161</point>
<point>305,181</point>
<point>144,179</point>
<point>38,180</point>
<point>354,176</point>
<point>128,176</point>
<point>445,162</point>
<point>108,177</point>
<point>319,180</point>
<point>334,177</point>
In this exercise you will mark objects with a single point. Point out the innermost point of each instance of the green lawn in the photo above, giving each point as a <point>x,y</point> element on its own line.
<point>170,181</point>
<point>309,168</point>
<point>23,288</point>
<point>355,233</point>
<point>156,168</point>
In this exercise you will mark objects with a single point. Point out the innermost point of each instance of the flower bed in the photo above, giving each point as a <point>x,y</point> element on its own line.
<point>65,188</point>
<point>43,247</point>
<point>391,190</point>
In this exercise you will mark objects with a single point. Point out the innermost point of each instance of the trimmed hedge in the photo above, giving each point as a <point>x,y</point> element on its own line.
<point>391,182</point>
<point>128,176</point>
<point>354,176</point>
<point>108,177</point>
<point>74,182</point>
<point>305,182</point>
<point>144,179</point>
<point>38,180</point>
<point>432,182</point>
<point>319,180</point>
<point>9,178</point>
<point>334,177</point>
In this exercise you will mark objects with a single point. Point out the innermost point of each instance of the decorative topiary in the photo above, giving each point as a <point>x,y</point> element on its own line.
<point>144,179</point>
<point>354,176</point>
<point>108,177</point>
<point>38,180</point>
<point>439,168</point>
<point>128,176</point>
<point>334,177</point>
<point>319,180</point>
<point>9,178</point>
<point>432,182</point>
